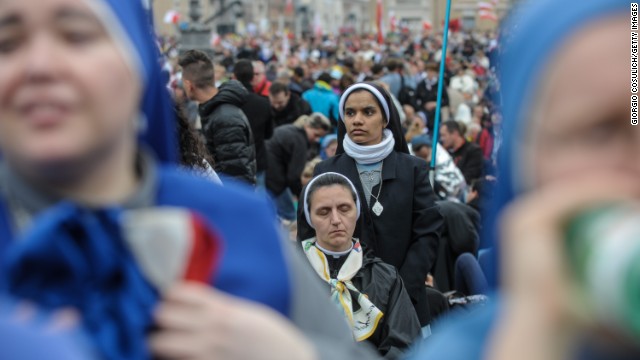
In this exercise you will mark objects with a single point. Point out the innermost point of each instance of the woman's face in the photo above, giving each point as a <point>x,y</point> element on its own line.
<point>363,118</point>
<point>583,119</point>
<point>333,214</point>
<point>65,89</point>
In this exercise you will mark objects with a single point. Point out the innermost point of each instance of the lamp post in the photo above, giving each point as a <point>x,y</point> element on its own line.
<point>196,35</point>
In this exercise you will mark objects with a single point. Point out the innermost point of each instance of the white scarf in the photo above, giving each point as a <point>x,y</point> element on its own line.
<point>364,321</point>
<point>370,154</point>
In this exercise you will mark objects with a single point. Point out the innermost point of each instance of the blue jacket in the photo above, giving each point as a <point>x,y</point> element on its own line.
<point>323,100</point>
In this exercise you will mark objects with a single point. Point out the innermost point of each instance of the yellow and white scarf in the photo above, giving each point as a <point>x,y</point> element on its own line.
<point>364,321</point>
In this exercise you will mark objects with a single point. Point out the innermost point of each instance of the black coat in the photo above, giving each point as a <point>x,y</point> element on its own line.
<point>470,161</point>
<point>287,156</point>
<point>406,234</point>
<point>382,284</point>
<point>228,133</point>
<point>425,95</point>
<point>399,327</point>
<point>460,234</point>
<point>258,112</point>
<point>294,109</point>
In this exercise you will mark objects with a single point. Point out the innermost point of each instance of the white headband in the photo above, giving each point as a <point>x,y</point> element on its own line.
<point>306,195</point>
<point>369,88</point>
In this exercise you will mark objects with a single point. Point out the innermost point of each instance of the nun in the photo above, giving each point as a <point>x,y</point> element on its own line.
<point>96,216</point>
<point>401,221</point>
<point>569,147</point>
<point>367,291</point>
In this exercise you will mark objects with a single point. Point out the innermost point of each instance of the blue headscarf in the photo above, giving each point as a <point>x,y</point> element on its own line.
<point>536,31</point>
<point>128,22</point>
<point>58,264</point>
<point>324,144</point>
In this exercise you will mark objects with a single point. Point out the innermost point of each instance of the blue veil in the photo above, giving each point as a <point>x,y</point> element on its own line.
<point>533,35</point>
<point>130,26</point>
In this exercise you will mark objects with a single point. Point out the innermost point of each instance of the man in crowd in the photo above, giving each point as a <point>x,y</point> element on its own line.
<point>467,156</point>
<point>286,106</point>
<point>260,83</point>
<point>226,128</point>
<point>322,98</point>
<point>287,154</point>
<point>427,94</point>
<point>258,112</point>
<point>395,78</point>
<point>299,83</point>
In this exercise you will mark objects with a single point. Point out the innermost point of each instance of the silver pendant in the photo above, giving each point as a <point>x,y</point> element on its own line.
<point>377,208</point>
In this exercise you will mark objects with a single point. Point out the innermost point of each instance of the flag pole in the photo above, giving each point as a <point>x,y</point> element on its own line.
<point>436,124</point>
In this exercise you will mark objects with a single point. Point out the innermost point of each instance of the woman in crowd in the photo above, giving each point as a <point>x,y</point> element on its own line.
<point>96,216</point>
<point>401,219</point>
<point>193,152</point>
<point>384,316</point>
<point>568,148</point>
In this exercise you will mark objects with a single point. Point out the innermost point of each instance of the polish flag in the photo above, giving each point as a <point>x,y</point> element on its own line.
<point>482,5</point>
<point>171,17</point>
<point>288,8</point>
<point>379,21</point>
<point>317,25</point>
<point>215,39</point>
<point>488,15</point>
<point>393,21</point>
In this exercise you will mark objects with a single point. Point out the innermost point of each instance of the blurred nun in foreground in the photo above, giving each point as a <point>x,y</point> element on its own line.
<point>96,216</point>
<point>569,147</point>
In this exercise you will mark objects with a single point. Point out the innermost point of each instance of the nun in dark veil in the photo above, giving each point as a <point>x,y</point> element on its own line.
<point>401,221</point>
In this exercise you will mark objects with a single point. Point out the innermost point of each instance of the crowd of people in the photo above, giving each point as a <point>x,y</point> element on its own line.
<point>274,200</point>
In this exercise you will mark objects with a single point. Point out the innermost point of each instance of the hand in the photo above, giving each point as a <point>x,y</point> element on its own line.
<point>197,322</point>
<point>540,317</point>
<point>430,105</point>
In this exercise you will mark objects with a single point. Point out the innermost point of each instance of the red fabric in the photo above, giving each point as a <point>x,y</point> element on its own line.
<point>263,88</point>
<point>486,143</point>
<point>205,252</point>
<point>288,9</point>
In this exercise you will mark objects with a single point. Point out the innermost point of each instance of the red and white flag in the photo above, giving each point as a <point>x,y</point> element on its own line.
<point>483,5</point>
<point>426,25</point>
<point>288,8</point>
<point>171,17</point>
<point>379,22</point>
<point>317,26</point>
<point>488,15</point>
<point>393,22</point>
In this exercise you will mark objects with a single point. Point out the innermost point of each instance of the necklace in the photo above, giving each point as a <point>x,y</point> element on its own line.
<point>377,207</point>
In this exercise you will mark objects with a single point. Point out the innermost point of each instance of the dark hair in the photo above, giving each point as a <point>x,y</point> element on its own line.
<point>193,152</point>
<point>346,81</point>
<point>431,66</point>
<point>377,69</point>
<point>326,77</point>
<point>197,68</point>
<point>278,87</point>
<point>453,126</point>
<point>394,64</point>
<point>299,71</point>
<point>329,180</point>
<point>318,121</point>
<point>243,71</point>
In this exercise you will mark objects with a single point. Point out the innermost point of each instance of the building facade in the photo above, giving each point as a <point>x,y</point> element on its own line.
<point>327,16</point>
